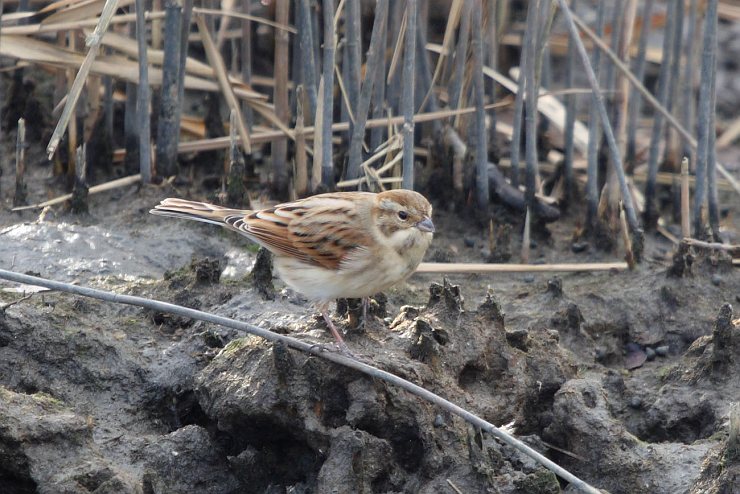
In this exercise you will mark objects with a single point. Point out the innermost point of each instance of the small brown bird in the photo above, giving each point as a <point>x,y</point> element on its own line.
<point>343,244</point>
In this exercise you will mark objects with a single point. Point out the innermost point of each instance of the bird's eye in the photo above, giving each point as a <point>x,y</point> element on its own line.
<point>403,215</point>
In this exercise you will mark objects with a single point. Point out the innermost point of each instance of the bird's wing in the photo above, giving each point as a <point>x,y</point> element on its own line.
<point>321,230</point>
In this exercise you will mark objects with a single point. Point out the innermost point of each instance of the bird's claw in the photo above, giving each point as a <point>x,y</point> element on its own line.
<point>335,347</point>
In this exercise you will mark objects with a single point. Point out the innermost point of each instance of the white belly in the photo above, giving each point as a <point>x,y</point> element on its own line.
<point>355,280</point>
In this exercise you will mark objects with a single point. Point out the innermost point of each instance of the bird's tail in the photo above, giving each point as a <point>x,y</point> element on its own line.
<point>198,211</point>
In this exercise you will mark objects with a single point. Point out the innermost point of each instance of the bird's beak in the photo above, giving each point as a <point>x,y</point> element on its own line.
<point>426,225</point>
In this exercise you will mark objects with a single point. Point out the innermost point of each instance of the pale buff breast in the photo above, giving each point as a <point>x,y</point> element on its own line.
<point>361,275</point>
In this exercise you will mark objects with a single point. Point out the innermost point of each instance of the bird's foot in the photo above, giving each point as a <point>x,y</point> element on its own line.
<point>335,347</point>
<point>339,344</point>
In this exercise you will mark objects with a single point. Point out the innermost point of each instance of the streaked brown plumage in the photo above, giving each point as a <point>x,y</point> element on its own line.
<point>343,244</point>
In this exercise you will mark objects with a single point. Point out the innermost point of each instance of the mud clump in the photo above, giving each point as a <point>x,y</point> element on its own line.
<point>346,431</point>
<point>187,283</point>
<point>600,446</point>
<point>198,461</point>
<point>39,432</point>
<point>261,275</point>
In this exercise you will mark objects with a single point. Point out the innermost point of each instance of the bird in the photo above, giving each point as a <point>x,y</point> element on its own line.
<point>333,245</point>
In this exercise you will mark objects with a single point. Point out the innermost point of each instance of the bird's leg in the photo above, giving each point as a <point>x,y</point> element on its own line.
<point>365,306</point>
<point>343,348</point>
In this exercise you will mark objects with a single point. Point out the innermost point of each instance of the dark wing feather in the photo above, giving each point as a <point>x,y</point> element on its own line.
<point>322,230</point>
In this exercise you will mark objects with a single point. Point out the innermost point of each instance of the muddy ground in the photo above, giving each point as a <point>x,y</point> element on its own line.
<point>106,398</point>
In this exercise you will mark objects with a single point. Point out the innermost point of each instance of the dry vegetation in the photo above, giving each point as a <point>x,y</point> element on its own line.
<point>516,119</point>
<point>389,95</point>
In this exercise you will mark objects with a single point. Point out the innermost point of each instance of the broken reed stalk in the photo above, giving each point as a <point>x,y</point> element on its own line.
<point>451,140</point>
<point>2,89</point>
<point>130,130</point>
<point>317,168</point>
<point>246,58</point>
<point>306,51</point>
<point>729,135</point>
<point>709,49</point>
<point>674,83</point>
<point>347,111</point>
<point>341,72</point>
<point>90,119</point>
<point>732,250</point>
<point>688,99</point>
<point>168,122</point>
<point>613,148</point>
<point>113,184</point>
<point>72,124</point>
<point>93,42</point>
<point>407,95</point>
<point>296,71</point>
<point>353,40</point>
<point>375,56</point>
<point>279,148</point>
<point>78,202</point>
<point>530,116</point>
<point>635,103</point>
<point>545,19</point>
<point>651,214</point>
<point>481,136</point>
<point>476,268</point>
<point>685,199</point>
<point>157,25</point>
<point>187,16</point>
<point>456,82</point>
<point>629,255</point>
<point>621,99</point>
<point>236,187</point>
<point>397,27</point>
<point>454,487</point>
<point>327,98</point>
<point>516,136</point>
<point>142,100</point>
<point>301,162</point>
<point>594,128</point>
<point>570,118</point>
<point>616,23</point>
<point>544,61</point>
<point>312,349</point>
<point>378,97</point>
<point>453,18</point>
<point>233,142</point>
<point>315,8</point>
<point>712,197</point>
<point>219,68</point>
<point>491,51</point>
<point>19,198</point>
<point>526,237</point>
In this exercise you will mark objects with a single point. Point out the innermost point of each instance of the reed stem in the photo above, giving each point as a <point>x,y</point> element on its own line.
<point>327,98</point>
<point>709,46</point>
<point>142,101</point>
<point>481,136</point>
<point>407,95</point>
<point>374,59</point>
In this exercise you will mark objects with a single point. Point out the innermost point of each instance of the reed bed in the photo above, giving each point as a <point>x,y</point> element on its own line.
<point>346,94</point>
